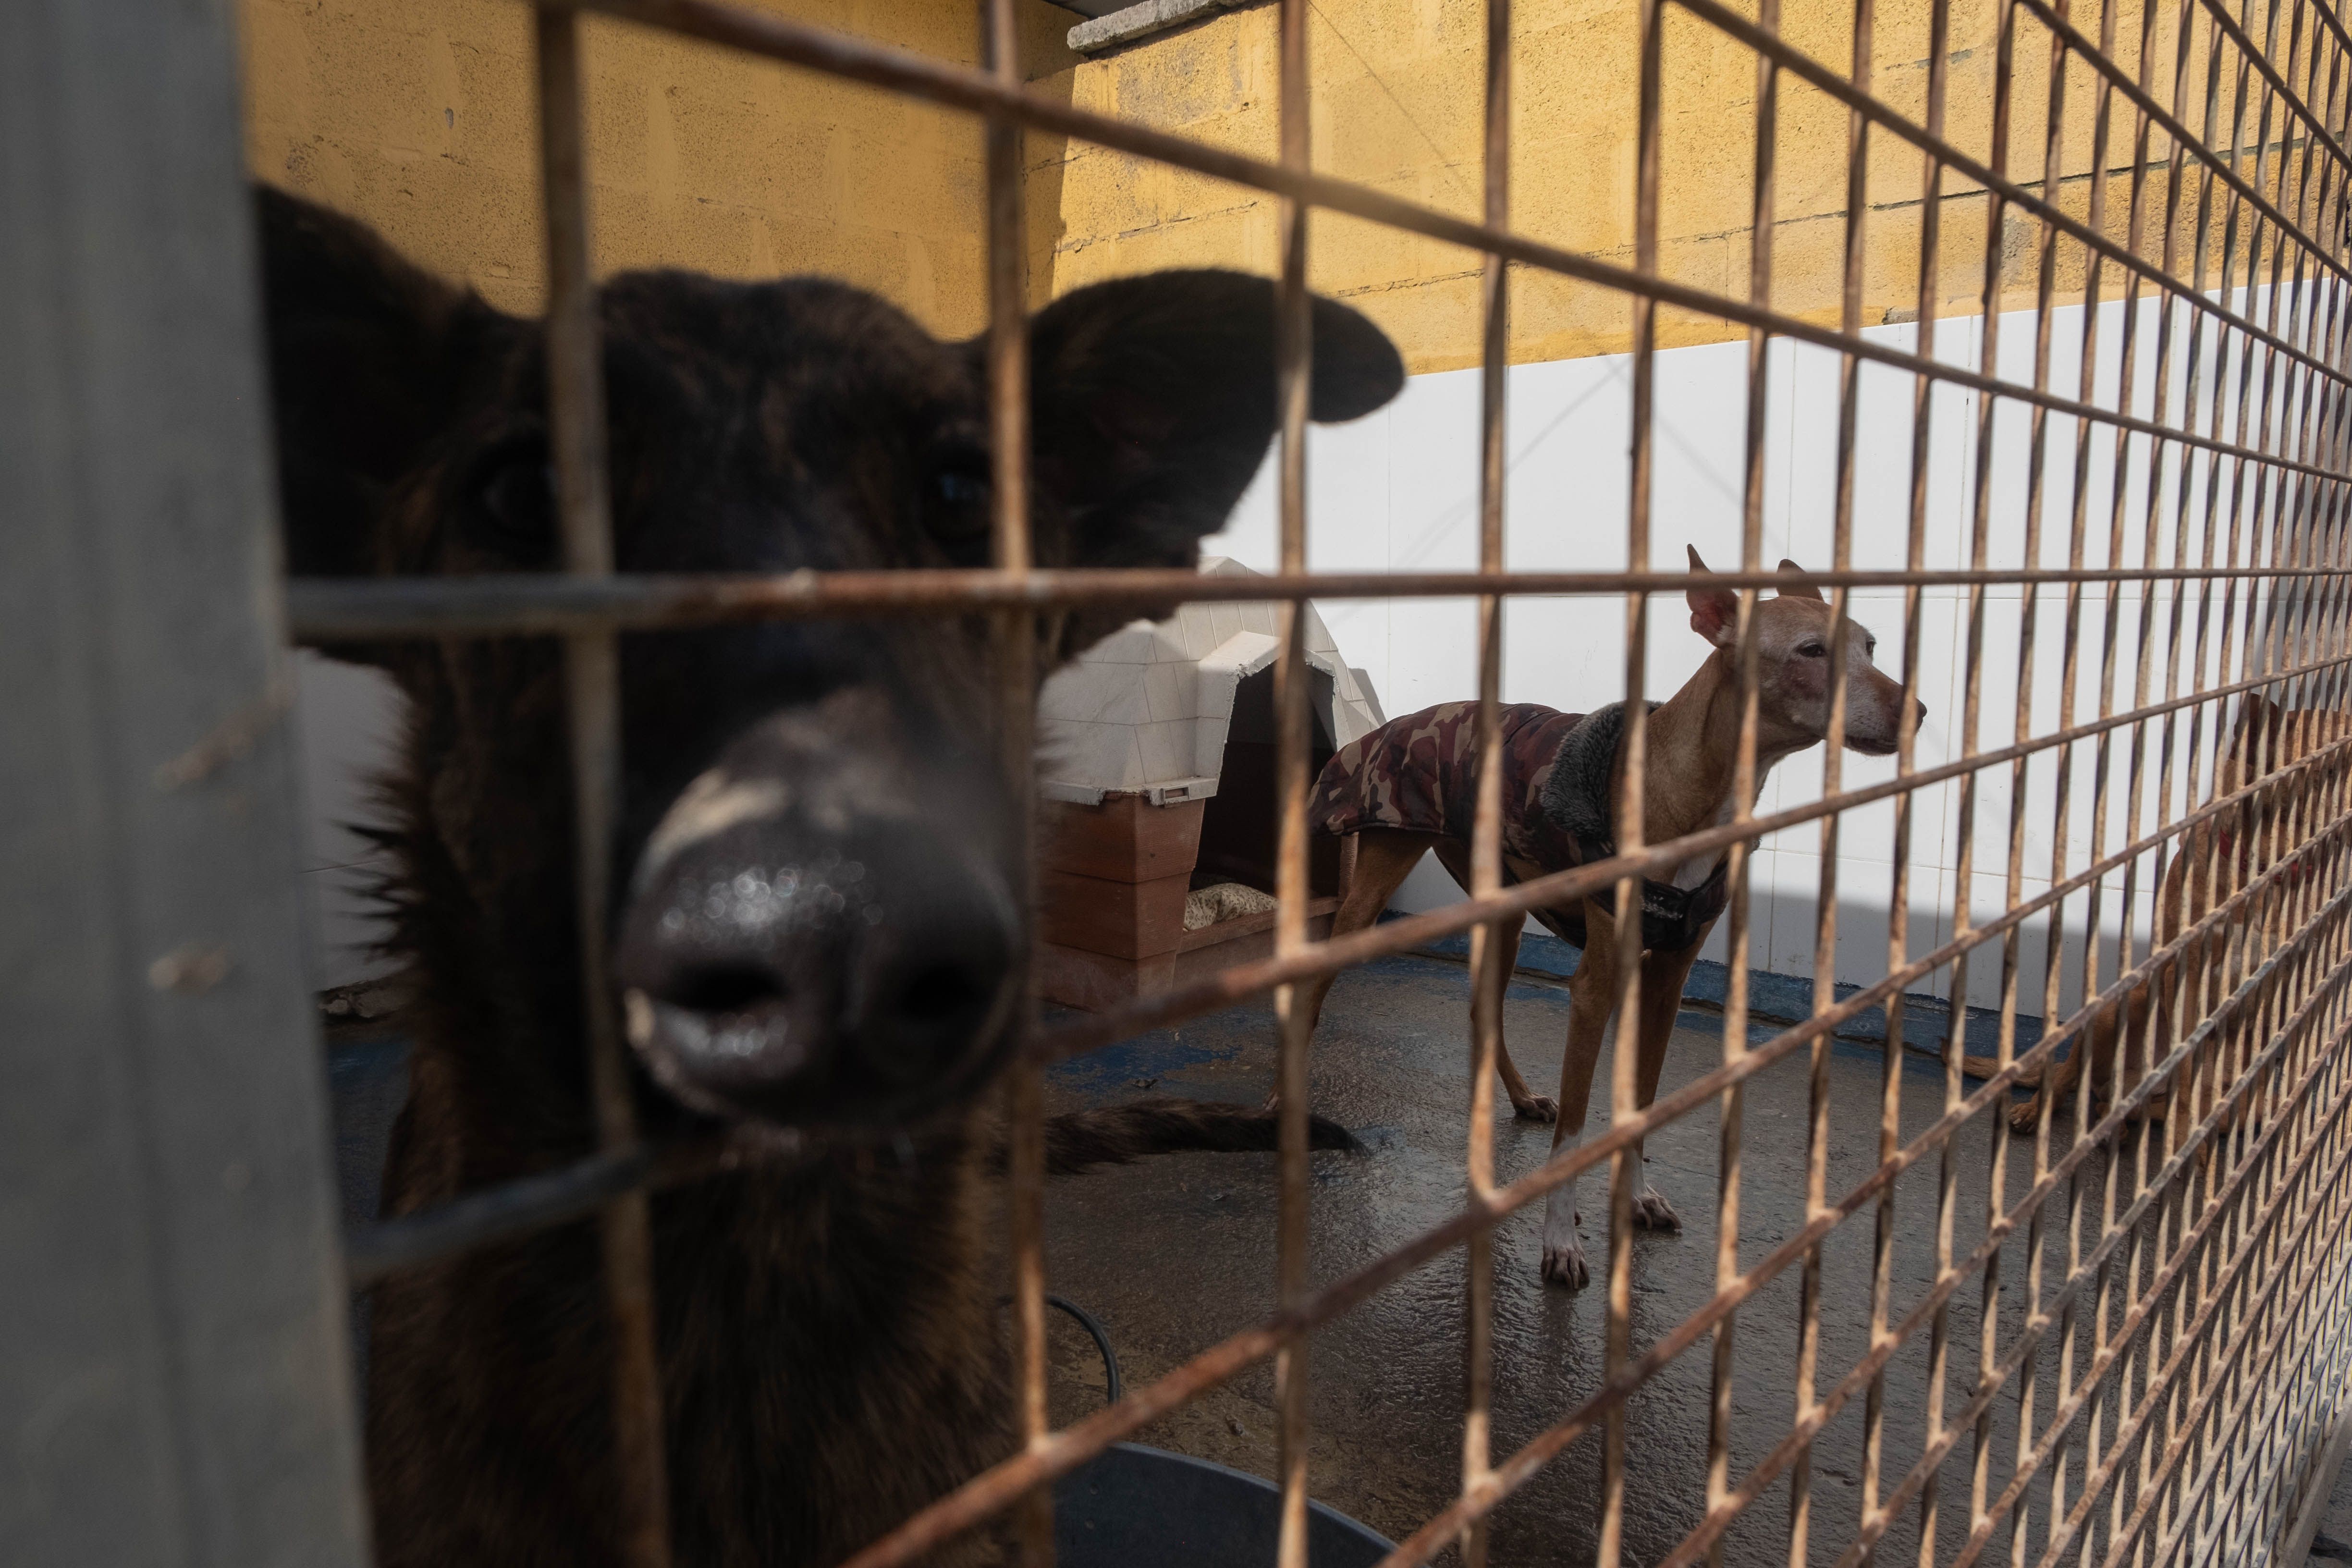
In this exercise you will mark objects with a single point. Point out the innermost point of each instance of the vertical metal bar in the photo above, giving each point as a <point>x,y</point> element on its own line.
<point>1016,697</point>
<point>1489,975</point>
<point>2110,1176</point>
<point>2029,625</point>
<point>1972,708</point>
<point>2272,528</point>
<point>176,1375</point>
<point>2078,1188</point>
<point>1294,350</point>
<point>576,421</point>
<point>1826,921</point>
<point>2240,1041</point>
<point>2145,1249</point>
<point>2175,1221</point>
<point>2260,933</point>
<point>1625,1165</point>
<point>1731,1112</point>
<point>1931,216</point>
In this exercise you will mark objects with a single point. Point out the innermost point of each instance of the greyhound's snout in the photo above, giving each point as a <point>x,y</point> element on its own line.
<point>1872,726</point>
<point>810,961</point>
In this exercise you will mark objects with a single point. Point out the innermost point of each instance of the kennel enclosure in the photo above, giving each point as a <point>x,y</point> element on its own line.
<point>2167,1382</point>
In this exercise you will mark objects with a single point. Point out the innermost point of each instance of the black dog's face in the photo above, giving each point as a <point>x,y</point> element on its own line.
<point>817,924</point>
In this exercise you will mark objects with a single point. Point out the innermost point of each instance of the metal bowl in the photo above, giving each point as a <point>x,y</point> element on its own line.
<point>1134,1506</point>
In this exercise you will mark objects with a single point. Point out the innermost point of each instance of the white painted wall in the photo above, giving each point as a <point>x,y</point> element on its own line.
<point>1398,491</point>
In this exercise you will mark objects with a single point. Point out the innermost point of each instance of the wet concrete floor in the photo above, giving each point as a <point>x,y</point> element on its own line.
<point>1174,1254</point>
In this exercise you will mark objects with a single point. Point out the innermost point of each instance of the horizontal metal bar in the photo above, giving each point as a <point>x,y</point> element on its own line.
<point>1243,981</point>
<point>340,609</point>
<point>532,1202</point>
<point>498,1212</point>
<point>917,76</point>
<point>519,1207</point>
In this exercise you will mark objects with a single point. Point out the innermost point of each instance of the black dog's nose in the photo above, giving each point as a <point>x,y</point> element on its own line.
<point>778,970</point>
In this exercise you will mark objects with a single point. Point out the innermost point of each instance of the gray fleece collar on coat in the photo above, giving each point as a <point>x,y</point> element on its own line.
<point>1576,796</point>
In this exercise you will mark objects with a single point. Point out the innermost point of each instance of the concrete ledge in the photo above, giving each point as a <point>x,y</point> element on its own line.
<point>1140,21</point>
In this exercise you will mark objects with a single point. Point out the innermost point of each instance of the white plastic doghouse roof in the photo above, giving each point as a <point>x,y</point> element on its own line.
<point>1145,710</point>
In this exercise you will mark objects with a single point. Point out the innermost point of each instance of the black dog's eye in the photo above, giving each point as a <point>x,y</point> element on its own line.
<point>515,503</point>
<point>956,501</point>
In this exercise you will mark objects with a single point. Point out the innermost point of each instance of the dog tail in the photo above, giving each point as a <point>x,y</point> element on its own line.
<point>1119,1134</point>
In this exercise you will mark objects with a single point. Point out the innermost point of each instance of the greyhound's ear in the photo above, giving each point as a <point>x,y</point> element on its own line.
<point>1808,593</point>
<point>1715,612</point>
<point>1154,403</point>
<point>368,357</point>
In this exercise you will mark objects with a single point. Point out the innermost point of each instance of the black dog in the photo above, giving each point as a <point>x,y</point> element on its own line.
<point>815,927</point>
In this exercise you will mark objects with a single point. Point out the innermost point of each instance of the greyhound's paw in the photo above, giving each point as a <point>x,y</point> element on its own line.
<point>1564,1266</point>
<point>1651,1212</point>
<point>2026,1114</point>
<point>1536,1107</point>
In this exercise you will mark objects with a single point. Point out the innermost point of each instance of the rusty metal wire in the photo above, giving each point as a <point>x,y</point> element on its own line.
<point>1490,945</point>
<point>332,610</point>
<point>2134,1397</point>
<point>592,669</point>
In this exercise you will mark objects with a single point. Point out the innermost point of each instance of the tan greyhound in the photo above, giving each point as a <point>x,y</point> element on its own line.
<point>1409,787</point>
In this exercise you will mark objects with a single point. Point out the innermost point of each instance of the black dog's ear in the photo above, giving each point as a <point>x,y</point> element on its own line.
<point>1154,403</point>
<point>369,357</point>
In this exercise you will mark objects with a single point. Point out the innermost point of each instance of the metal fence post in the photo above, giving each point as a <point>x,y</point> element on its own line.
<point>174,1382</point>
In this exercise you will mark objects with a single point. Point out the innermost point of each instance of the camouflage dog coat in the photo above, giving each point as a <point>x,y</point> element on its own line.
<point>1419,774</point>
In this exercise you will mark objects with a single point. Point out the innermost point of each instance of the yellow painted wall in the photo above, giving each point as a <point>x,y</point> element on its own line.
<point>418,116</point>
<point>1398,103</point>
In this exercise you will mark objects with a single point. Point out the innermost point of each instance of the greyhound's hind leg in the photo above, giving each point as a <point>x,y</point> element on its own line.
<point>1384,860</point>
<point>1526,1104</point>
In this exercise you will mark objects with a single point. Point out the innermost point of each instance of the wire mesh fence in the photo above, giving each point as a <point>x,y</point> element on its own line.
<point>2152,1269</point>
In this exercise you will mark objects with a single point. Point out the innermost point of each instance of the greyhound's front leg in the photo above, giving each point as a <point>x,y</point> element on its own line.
<point>1663,975</point>
<point>1563,1249</point>
<point>1591,1025</point>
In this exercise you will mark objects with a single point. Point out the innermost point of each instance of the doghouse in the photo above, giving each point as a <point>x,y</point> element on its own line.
<point>1156,841</point>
